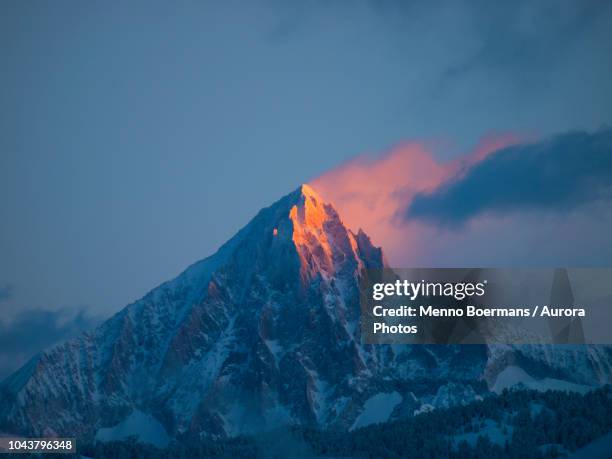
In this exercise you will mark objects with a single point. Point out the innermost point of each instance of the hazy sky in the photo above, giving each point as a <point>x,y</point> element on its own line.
<point>136,137</point>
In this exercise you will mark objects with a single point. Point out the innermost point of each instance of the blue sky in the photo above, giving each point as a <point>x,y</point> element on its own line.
<point>136,137</point>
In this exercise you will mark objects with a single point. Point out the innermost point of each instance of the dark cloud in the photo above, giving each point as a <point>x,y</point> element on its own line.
<point>523,39</point>
<point>558,174</point>
<point>34,330</point>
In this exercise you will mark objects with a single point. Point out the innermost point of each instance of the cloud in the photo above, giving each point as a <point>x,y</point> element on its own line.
<point>558,174</point>
<point>377,187</point>
<point>34,330</point>
<point>508,202</point>
<point>522,39</point>
<point>372,192</point>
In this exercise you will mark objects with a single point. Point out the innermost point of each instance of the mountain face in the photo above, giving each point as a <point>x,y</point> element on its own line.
<point>263,333</point>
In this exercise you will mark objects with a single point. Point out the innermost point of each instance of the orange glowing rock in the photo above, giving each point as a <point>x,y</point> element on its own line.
<point>315,225</point>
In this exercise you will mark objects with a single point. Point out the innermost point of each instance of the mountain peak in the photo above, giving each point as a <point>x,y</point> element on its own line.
<point>324,244</point>
<point>309,191</point>
<point>310,210</point>
<point>302,194</point>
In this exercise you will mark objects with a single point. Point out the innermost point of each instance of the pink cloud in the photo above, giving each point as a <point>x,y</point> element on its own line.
<point>372,193</point>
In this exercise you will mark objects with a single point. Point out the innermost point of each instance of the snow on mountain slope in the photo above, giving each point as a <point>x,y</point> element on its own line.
<point>548,365</point>
<point>515,376</point>
<point>262,333</point>
<point>144,427</point>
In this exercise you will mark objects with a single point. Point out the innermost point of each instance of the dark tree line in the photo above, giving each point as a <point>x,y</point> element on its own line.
<point>562,422</point>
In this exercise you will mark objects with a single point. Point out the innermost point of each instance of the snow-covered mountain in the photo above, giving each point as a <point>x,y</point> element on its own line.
<point>263,333</point>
